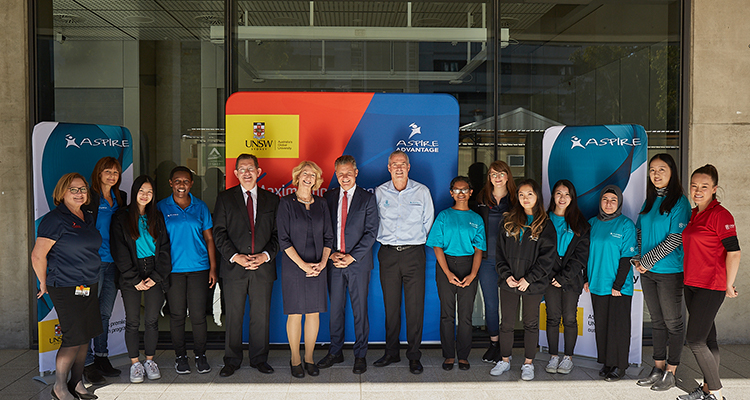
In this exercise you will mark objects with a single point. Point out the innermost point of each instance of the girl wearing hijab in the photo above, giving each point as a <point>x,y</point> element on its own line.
<point>610,281</point>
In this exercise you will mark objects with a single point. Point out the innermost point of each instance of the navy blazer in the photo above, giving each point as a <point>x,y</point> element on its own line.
<point>361,225</point>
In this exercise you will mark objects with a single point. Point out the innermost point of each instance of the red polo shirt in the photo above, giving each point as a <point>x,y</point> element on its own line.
<point>705,255</point>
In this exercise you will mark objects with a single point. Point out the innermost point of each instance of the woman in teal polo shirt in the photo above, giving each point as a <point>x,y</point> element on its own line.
<point>610,281</point>
<point>193,267</point>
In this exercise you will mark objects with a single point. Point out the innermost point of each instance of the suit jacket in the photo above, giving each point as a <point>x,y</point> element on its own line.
<point>361,225</point>
<point>232,232</point>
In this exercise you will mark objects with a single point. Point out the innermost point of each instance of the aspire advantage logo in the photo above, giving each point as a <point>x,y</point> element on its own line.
<point>417,146</point>
<point>106,142</point>
<point>604,142</point>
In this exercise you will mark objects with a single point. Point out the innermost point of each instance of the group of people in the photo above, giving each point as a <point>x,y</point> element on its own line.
<point>503,238</point>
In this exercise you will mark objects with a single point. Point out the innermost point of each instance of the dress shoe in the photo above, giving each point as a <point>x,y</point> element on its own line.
<point>297,370</point>
<point>312,369</point>
<point>360,365</point>
<point>263,367</point>
<point>463,366</point>
<point>329,360</point>
<point>666,382</point>
<point>614,374</point>
<point>446,365</point>
<point>82,396</point>
<point>655,375</point>
<point>93,375</point>
<point>103,365</point>
<point>415,367</point>
<point>227,370</point>
<point>386,360</point>
<point>604,371</point>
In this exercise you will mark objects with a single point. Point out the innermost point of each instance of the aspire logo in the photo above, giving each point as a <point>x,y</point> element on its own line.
<point>604,142</point>
<point>106,142</point>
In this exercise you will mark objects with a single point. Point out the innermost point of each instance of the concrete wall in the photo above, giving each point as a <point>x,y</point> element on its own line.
<point>15,180</point>
<point>719,128</point>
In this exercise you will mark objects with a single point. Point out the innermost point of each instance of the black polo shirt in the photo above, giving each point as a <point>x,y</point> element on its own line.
<point>74,258</point>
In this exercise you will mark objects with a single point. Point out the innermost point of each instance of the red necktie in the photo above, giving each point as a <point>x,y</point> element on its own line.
<point>344,206</point>
<point>250,214</point>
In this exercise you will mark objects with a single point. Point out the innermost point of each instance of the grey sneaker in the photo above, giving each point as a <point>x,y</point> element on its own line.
<point>201,364</point>
<point>566,365</point>
<point>137,372</point>
<point>499,368</point>
<point>554,361</point>
<point>697,394</point>
<point>181,365</point>
<point>527,372</point>
<point>152,370</point>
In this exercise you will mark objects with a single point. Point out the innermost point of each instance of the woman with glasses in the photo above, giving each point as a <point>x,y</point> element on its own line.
<point>457,235</point>
<point>495,199</point>
<point>66,261</point>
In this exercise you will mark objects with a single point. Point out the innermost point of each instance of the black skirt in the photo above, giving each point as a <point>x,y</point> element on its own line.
<point>79,316</point>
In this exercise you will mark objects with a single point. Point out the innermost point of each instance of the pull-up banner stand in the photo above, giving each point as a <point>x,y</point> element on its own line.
<point>593,157</point>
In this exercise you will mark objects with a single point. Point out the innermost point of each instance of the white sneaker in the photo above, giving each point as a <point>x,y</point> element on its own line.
<point>554,361</point>
<point>152,370</point>
<point>136,373</point>
<point>566,365</point>
<point>527,372</point>
<point>499,368</point>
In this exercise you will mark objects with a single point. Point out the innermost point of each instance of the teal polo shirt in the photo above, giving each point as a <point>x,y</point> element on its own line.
<point>457,232</point>
<point>185,229</point>
<point>610,241</point>
<point>103,222</point>
<point>564,233</point>
<point>655,227</point>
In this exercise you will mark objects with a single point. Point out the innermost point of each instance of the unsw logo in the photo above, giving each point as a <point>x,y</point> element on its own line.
<point>106,142</point>
<point>611,141</point>
<point>417,146</point>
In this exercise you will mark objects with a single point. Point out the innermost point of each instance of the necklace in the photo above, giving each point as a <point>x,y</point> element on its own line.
<point>306,202</point>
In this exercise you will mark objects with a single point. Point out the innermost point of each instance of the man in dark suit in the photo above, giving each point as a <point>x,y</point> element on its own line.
<point>354,215</point>
<point>245,234</point>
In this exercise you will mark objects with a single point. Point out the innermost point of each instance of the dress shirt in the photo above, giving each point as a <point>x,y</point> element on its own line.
<point>406,216</point>
<point>349,194</point>
<point>254,196</point>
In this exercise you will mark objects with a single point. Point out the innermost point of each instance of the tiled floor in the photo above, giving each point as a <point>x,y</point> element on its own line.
<point>19,367</point>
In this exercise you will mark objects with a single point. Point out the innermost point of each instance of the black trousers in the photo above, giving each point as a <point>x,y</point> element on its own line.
<point>357,284</point>
<point>403,270</point>
<point>456,340</point>
<point>612,320</point>
<point>663,296</point>
<point>236,294</point>
<point>188,291</point>
<point>703,305</point>
<point>509,315</point>
<point>561,304</point>
<point>152,302</point>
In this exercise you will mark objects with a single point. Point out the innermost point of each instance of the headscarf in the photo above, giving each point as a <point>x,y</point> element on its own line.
<point>617,192</point>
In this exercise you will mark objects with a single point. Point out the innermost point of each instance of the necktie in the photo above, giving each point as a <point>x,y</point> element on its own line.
<point>344,206</point>
<point>251,214</point>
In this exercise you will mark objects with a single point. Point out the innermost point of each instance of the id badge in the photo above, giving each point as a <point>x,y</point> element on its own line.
<point>83,290</point>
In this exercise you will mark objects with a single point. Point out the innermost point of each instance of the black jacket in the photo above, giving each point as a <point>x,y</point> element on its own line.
<point>532,259</point>
<point>126,258</point>
<point>570,270</point>
<point>484,211</point>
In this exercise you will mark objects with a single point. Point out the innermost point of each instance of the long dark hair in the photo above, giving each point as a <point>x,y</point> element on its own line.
<point>151,212</point>
<point>711,171</point>
<point>96,177</point>
<point>674,188</point>
<point>515,219</point>
<point>485,195</point>
<point>573,216</point>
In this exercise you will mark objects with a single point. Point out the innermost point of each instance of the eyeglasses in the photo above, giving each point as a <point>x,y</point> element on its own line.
<point>497,174</point>
<point>77,190</point>
<point>244,170</point>
<point>457,191</point>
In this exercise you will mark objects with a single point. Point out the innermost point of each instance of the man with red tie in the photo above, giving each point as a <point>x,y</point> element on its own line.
<point>354,215</point>
<point>246,237</point>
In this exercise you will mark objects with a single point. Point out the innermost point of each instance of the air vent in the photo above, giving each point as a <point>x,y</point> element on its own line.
<point>516,160</point>
<point>67,19</point>
<point>212,20</point>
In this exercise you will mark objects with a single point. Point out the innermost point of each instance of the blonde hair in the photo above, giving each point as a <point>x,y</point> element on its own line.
<point>318,173</point>
<point>64,183</point>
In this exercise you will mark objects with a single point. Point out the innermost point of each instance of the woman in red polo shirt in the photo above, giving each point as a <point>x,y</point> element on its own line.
<point>712,257</point>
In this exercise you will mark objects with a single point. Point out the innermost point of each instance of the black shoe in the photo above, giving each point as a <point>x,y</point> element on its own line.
<point>463,366</point>
<point>297,370</point>
<point>312,369</point>
<point>202,365</point>
<point>696,394</point>
<point>263,367</point>
<point>666,382</point>
<point>655,375</point>
<point>614,374</point>
<point>492,355</point>
<point>93,375</point>
<point>329,360</point>
<point>181,365</point>
<point>415,367</point>
<point>446,365</point>
<point>103,365</point>
<point>386,360</point>
<point>360,365</point>
<point>82,396</point>
<point>604,371</point>
<point>228,370</point>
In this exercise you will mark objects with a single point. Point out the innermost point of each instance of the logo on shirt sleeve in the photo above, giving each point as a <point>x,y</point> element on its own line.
<point>729,227</point>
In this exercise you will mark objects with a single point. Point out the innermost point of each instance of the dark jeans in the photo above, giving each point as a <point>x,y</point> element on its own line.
<point>488,280</point>
<point>188,290</point>
<point>403,269</point>
<point>612,320</point>
<point>456,340</point>
<point>152,302</point>
<point>509,308</point>
<point>703,305</point>
<point>107,296</point>
<point>663,296</point>
<point>561,304</point>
